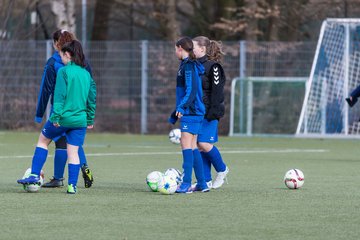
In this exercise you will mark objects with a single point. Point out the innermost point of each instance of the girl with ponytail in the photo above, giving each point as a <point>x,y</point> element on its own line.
<point>209,53</point>
<point>190,111</point>
<point>54,64</point>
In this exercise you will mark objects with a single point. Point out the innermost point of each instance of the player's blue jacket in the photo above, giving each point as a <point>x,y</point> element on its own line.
<point>48,81</point>
<point>189,91</point>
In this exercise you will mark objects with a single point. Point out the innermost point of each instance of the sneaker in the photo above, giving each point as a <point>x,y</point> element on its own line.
<point>71,189</point>
<point>87,175</point>
<point>32,179</point>
<point>53,183</point>
<point>184,188</point>
<point>199,188</point>
<point>209,184</point>
<point>220,178</point>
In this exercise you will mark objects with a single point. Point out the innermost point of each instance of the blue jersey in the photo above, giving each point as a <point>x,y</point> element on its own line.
<point>189,90</point>
<point>48,81</point>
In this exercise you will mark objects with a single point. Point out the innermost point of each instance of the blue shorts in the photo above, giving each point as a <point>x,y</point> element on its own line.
<point>74,136</point>
<point>55,139</point>
<point>209,131</point>
<point>190,127</point>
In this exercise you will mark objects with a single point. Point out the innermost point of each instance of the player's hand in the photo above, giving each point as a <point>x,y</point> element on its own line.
<point>56,124</point>
<point>90,126</point>
<point>178,114</point>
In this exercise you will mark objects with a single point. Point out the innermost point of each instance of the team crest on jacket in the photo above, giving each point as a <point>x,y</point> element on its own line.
<point>216,75</point>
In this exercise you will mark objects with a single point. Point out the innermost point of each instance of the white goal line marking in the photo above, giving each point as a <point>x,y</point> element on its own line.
<point>171,153</point>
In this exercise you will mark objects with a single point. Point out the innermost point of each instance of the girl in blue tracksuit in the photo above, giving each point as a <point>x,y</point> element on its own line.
<point>190,111</point>
<point>54,63</point>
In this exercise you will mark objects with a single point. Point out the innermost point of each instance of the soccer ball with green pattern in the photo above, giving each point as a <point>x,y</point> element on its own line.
<point>153,180</point>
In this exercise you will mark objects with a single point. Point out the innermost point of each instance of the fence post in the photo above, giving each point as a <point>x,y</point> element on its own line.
<point>347,78</point>
<point>242,69</point>
<point>144,85</point>
<point>249,108</point>
<point>48,55</point>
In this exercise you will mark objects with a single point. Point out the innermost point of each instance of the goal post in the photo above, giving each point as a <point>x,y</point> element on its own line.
<point>334,74</point>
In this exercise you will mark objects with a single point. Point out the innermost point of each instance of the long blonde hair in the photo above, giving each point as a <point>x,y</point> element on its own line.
<point>213,48</point>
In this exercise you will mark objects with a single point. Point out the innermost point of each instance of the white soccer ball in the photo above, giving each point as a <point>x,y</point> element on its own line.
<point>33,187</point>
<point>294,178</point>
<point>168,185</point>
<point>153,180</point>
<point>175,136</point>
<point>175,174</point>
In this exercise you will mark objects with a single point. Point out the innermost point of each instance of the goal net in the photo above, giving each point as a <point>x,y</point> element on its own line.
<point>335,73</point>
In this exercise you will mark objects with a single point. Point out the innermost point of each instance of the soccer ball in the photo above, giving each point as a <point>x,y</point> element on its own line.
<point>294,178</point>
<point>175,174</point>
<point>33,187</point>
<point>168,185</point>
<point>153,180</point>
<point>175,136</point>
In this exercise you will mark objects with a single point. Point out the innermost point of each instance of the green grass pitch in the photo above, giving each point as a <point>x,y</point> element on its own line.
<point>254,205</point>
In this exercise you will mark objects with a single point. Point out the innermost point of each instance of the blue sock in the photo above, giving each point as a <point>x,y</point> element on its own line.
<point>207,167</point>
<point>215,158</point>
<point>59,163</point>
<point>38,160</point>
<point>74,170</point>
<point>188,161</point>
<point>82,156</point>
<point>198,167</point>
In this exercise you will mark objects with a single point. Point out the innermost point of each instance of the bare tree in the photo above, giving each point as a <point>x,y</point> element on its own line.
<point>101,22</point>
<point>158,17</point>
<point>246,18</point>
<point>64,11</point>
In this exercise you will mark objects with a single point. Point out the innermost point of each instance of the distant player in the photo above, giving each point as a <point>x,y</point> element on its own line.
<point>209,53</point>
<point>73,113</point>
<point>60,37</point>
<point>355,94</point>
<point>190,110</point>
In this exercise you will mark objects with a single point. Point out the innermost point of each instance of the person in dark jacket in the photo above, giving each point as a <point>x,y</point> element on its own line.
<point>190,110</point>
<point>209,53</point>
<point>47,87</point>
<point>73,113</point>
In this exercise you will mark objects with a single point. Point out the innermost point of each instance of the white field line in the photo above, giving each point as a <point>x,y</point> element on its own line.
<point>178,152</point>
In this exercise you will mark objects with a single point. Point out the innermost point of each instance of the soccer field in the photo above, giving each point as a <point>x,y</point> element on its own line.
<point>254,205</point>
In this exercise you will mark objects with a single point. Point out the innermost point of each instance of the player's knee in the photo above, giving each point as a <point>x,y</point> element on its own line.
<point>61,143</point>
<point>204,146</point>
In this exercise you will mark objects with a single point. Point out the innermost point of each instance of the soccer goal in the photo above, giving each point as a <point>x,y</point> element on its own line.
<point>334,74</point>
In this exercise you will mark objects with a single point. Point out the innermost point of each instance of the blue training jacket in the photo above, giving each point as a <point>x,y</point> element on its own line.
<point>48,81</point>
<point>189,90</point>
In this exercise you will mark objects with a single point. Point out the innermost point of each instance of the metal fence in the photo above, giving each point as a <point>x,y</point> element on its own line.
<point>135,80</point>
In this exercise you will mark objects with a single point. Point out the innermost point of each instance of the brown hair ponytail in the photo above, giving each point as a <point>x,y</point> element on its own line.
<point>187,44</point>
<point>215,51</point>
<point>75,50</point>
<point>61,37</point>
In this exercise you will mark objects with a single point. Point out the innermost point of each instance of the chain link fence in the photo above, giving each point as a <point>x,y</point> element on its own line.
<point>136,80</point>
